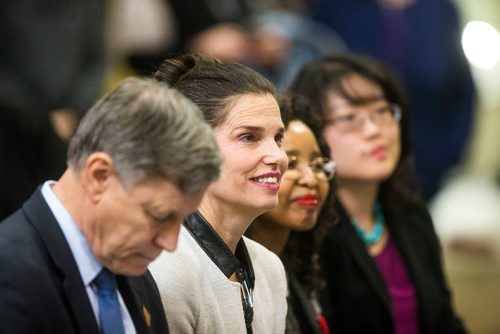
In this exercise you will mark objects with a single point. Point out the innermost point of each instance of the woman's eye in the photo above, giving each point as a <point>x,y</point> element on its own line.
<point>279,138</point>
<point>248,137</point>
<point>317,165</point>
<point>292,162</point>
<point>346,118</point>
<point>384,110</point>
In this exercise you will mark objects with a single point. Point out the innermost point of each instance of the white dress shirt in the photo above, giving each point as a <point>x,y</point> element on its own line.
<point>85,260</point>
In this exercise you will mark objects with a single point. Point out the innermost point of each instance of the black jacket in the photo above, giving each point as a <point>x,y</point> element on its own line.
<point>356,299</point>
<point>41,290</point>
<point>301,317</point>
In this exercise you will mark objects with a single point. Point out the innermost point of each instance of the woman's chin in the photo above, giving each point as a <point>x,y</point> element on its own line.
<point>268,206</point>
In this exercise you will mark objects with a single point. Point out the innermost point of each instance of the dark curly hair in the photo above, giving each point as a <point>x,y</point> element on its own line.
<point>300,254</point>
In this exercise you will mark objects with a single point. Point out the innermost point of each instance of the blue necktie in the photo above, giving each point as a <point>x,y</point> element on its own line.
<point>109,306</point>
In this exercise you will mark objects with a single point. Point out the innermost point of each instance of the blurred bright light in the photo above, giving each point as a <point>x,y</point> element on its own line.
<point>481,44</point>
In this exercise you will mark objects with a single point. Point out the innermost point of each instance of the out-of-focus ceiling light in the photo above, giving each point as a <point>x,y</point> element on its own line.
<point>481,44</point>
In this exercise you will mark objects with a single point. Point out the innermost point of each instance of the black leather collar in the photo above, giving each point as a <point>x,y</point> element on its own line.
<point>218,251</point>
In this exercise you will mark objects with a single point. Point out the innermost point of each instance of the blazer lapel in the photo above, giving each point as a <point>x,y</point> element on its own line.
<point>42,219</point>
<point>408,244</point>
<point>363,259</point>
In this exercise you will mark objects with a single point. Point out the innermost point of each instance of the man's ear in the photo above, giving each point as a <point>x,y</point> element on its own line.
<point>96,174</point>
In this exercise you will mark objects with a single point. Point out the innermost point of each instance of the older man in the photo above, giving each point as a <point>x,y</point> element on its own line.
<point>74,258</point>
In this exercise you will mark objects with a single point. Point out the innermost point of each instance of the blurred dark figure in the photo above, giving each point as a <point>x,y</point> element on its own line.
<point>284,39</point>
<point>420,40</point>
<point>205,25</point>
<point>273,37</point>
<point>51,71</point>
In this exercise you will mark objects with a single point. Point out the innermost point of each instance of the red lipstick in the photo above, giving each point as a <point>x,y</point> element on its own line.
<point>307,200</point>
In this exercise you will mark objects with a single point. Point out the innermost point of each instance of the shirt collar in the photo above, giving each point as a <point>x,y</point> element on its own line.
<point>85,259</point>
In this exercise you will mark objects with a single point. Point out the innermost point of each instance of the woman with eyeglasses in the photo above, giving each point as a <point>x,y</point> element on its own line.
<point>293,230</point>
<point>219,281</point>
<point>382,262</point>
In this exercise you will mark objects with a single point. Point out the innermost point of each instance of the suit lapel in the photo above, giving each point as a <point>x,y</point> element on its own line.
<point>138,311</point>
<point>42,219</point>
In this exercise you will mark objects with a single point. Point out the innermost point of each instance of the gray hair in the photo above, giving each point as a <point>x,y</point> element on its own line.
<point>150,131</point>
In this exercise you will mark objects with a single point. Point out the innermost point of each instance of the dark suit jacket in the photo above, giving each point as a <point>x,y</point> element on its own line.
<point>356,299</point>
<point>41,290</point>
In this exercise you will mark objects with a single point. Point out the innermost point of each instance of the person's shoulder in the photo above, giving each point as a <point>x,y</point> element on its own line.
<point>25,265</point>
<point>263,259</point>
<point>415,208</point>
<point>411,214</point>
<point>183,258</point>
<point>259,252</point>
<point>178,277</point>
<point>11,223</point>
<point>18,239</point>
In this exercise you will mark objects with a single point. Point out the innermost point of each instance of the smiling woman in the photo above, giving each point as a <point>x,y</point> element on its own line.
<point>250,140</point>
<point>218,281</point>
<point>293,229</point>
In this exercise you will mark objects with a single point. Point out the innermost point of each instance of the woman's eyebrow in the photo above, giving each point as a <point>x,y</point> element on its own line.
<point>292,152</point>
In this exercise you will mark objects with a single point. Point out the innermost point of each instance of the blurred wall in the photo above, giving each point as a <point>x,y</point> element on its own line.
<point>484,156</point>
<point>467,210</point>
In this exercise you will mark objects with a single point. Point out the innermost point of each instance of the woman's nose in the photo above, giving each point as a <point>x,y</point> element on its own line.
<point>307,176</point>
<point>370,127</point>
<point>276,156</point>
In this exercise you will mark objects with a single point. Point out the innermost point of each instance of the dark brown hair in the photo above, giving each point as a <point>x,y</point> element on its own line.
<point>211,84</point>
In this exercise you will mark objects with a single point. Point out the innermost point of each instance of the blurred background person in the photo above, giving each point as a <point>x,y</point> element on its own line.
<point>51,71</point>
<point>208,26</point>
<point>219,281</point>
<point>284,38</point>
<point>382,262</point>
<point>293,230</point>
<point>420,41</point>
<point>74,258</point>
<point>273,37</point>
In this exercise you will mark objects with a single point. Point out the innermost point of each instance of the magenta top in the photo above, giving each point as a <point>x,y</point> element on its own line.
<point>400,287</point>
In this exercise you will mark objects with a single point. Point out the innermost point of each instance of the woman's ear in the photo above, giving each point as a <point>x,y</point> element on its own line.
<point>96,174</point>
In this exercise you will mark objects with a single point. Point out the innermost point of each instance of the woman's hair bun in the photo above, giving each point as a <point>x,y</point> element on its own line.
<point>173,70</point>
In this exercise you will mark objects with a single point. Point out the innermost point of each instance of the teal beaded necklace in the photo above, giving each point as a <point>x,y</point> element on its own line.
<point>371,238</point>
